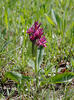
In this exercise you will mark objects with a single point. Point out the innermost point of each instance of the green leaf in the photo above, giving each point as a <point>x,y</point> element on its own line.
<point>40,53</point>
<point>6,19</point>
<point>57,19</point>
<point>53,16</point>
<point>15,76</point>
<point>64,77</point>
<point>59,78</point>
<point>49,20</point>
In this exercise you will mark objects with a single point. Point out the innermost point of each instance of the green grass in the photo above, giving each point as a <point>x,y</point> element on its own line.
<point>57,19</point>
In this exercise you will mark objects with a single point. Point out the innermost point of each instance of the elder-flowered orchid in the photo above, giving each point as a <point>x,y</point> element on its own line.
<point>36,35</point>
<point>41,42</point>
<point>35,32</point>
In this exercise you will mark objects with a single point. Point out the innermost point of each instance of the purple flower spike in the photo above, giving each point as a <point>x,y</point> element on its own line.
<point>30,30</point>
<point>32,37</point>
<point>41,42</point>
<point>35,31</point>
<point>35,35</point>
<point>36,25</point>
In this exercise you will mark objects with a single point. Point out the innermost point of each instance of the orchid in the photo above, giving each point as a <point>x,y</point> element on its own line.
<point>35,32</point>
<point>35,35</point>
<point>41,42</point>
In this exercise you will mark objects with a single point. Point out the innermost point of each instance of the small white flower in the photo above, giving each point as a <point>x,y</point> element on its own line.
<point>23,30</point>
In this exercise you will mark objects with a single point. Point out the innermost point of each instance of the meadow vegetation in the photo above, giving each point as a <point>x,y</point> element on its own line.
<point>31,70</point>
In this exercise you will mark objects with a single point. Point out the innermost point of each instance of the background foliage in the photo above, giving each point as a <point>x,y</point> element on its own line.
<point>16,16</point>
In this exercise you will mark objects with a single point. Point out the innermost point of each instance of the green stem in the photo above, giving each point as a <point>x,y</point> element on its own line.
<point>33,49</point>
<point>34,54</point>
<point>36,71</point>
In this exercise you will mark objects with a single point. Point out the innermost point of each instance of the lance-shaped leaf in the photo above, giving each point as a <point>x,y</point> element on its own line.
<point>17,77</point>
<point>54,17</point>
<point>60,78</point>
<point>57,19</point>
<point>6,19</point>
<point>40,53</point>
<point>49,20</point>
